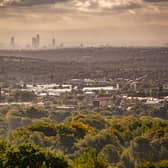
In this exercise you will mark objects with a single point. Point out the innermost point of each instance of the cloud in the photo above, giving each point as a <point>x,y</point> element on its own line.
<point>156,1</point>
<point>80,4</point>
<point>7,3</point>
<point>101,5</point>
<point>86,6</point>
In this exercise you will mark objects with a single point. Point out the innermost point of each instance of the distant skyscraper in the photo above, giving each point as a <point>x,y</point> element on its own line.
<point>53,42</point>
<point>12,42</point>
<point>81,45</point>
<point>61,45</point>
<point>37,41</point>
<point>33,42</point>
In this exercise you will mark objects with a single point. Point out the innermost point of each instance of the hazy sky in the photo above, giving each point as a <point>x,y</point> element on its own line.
<point>117,22</point>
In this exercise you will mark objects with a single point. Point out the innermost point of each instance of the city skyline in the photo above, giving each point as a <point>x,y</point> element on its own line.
<point>35,43</point>
<point>114,22</point>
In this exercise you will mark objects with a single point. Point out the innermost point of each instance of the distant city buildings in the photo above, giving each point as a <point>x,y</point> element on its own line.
<point>36,42</point>
<point>53,42</point>
<point>33,42</point>
<point>81,45</point>
<point>12,42</point>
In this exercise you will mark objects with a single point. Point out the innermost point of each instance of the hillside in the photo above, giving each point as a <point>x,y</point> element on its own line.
<point>49,66</point>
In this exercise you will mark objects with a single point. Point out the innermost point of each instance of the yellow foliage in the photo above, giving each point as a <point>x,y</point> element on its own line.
<point>86,128</point>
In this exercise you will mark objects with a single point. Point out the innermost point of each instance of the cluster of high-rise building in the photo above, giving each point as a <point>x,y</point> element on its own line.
<point>53,42</point>
<point>35,43</point>
<point>12,42</point>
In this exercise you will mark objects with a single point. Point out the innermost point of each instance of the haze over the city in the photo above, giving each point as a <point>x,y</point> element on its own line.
<point>91,22</point>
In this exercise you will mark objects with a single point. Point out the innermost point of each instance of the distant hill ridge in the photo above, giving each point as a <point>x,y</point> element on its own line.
<point>90,54</point>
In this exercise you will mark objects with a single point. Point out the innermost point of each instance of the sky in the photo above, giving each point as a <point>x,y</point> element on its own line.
<point>91,22</point>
